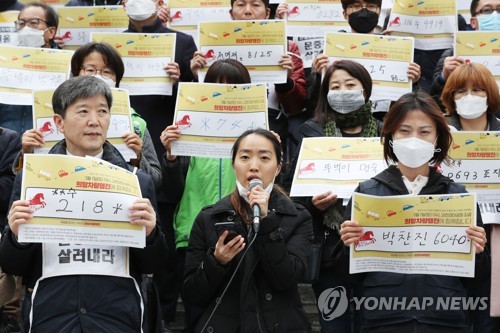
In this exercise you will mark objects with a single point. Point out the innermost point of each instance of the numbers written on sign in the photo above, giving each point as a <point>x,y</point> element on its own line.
<point>88,201</point>
<point>380,70</point>
<point>315,12</point>
<point>249,55</point>
<point>426,238</point>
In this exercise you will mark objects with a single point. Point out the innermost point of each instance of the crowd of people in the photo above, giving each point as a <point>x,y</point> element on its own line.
<point>237,269</point>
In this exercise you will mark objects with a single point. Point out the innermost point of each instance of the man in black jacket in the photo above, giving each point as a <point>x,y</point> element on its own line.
<point>93,301</point>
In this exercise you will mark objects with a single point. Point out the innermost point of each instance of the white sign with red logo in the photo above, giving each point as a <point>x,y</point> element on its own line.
<point>421,234</point>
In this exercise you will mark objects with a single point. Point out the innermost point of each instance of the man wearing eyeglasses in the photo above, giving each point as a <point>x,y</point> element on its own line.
<point>485,16</point>
<point>36,26</point>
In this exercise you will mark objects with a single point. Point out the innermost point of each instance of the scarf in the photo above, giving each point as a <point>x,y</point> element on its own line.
<point>334,215</point>
<point>362,117</point>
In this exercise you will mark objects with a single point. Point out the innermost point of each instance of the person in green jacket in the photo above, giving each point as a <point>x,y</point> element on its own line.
<point>196,182</point>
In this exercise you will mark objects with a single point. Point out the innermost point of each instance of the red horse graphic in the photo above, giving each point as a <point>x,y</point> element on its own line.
<point>209,55</point>
<point>67,36</point>
<point>176,16</point>
<point>294,11</point>
<point>310,168</point>
<point>366,239</point>
<point>37,200</point>
<point>46,128</point>
<point>184,122</point>
<point>395,22</point>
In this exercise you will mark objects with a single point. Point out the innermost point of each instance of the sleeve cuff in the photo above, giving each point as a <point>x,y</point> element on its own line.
<point>283,88</point>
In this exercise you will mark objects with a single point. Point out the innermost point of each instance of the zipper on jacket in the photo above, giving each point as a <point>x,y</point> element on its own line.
<point>220,178</point>
<point>257,307</point>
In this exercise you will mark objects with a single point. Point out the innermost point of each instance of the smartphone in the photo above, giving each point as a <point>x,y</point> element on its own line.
<point>220,227</point>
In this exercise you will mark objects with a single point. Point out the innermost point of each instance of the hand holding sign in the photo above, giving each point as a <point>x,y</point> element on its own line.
<point>350,232</point>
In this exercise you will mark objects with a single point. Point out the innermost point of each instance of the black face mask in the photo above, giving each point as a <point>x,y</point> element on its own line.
<point>363,21</point>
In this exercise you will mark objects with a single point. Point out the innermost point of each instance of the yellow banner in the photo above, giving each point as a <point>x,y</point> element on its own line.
<point>414,234</point>
<point>336,164</point>
<point>212,116</point>
<point>23,69</point>
<point>386,58</point>
<point>78,199</point>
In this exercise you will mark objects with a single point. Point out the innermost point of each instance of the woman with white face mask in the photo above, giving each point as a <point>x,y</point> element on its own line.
<point>414,134</point>
<point>471,99</point>
<point>343,110</point>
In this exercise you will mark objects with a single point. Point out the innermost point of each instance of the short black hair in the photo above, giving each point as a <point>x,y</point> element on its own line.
<point>473,7</point>
<point>346,3</point>
<point>51,18</point>
<point>111,58</point>
<point>227,71</point>
<point>77,88</point>
<point>266,3</point>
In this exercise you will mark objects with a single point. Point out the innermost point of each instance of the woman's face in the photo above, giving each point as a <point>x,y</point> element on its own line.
<point>96,62</point>
<point>417,124</point>
<point>342,80</point>
<point>256,158</point>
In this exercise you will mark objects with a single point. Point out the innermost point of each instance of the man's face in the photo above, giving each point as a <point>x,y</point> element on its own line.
<point>483,5</point>
<point>85,125</point>
<point>34,17</point>
<point>249,10</point>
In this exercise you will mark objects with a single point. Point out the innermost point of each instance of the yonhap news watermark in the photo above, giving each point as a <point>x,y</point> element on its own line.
<point>334,302</point>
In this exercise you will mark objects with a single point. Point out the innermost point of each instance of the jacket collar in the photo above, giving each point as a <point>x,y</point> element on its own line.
<point>278,201</point>
<point>493,122</point>
<point>109,154</point>
<point>393,178</point>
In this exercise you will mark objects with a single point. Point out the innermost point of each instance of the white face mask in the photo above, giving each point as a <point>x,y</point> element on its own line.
<point>471,107</point>
<point>346,101</point>
<point>243,191</point>
<point>109,81</point>
<point>30,37</point>
<point>140,10</point>
<point>489,22</point>
<point>413,152</point>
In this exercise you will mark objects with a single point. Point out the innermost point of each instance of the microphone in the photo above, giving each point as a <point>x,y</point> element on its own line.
<point>256,209</point>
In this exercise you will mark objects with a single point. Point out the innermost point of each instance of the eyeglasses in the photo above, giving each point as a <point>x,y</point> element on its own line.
<point>487,10</point>
<point>459,93</point>
<point>32,23</point>
<point>358,6</point>
<point>92,71</point>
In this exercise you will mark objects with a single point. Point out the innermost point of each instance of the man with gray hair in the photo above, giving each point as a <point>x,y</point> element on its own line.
<point>93,302</point>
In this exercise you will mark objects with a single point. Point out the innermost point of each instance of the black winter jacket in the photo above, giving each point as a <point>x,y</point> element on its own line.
<point>263,297</point>
<point>384,284</point>
<point>84,303</point>
<point>10,142</point>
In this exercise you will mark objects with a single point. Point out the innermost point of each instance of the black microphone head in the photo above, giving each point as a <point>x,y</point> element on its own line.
<point>255,182</point>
